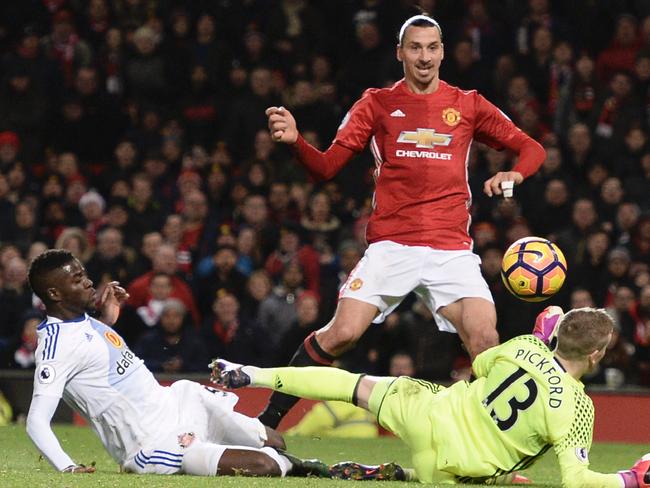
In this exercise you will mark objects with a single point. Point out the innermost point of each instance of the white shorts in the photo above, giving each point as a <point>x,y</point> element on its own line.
<point>389,271</point>
<point>206,413</point>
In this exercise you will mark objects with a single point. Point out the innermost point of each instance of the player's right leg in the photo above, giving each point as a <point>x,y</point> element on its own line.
<point>387,273</point>
<point>351,320</point>
<point>208,459</point>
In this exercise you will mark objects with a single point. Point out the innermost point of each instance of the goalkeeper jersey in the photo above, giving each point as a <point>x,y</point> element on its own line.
<point>522,404</point>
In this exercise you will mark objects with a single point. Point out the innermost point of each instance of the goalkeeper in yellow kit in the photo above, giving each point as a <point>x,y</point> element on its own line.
<point>525,400</point>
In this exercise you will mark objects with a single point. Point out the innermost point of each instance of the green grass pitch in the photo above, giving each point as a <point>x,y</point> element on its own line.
<point>22,467</point>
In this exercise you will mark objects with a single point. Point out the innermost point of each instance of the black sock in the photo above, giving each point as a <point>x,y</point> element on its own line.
<point>308,354</point>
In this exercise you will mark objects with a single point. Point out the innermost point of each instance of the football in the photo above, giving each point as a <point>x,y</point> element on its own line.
<point>533,269</point>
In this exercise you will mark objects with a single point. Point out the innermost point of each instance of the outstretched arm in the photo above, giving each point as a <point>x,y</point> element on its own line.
<point>321,165</point>
<point>39,418</point>
<point>576,473</point>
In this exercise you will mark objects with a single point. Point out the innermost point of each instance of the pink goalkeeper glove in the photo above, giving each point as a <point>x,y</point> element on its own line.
<point>546,324</point>
<point>639,475</point>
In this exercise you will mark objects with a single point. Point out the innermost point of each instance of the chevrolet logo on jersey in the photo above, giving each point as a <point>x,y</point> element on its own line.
<point>425,138</point>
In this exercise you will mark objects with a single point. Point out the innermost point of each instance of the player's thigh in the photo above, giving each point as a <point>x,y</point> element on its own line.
<point>449,277</point>
<point>210,412</point>
<point>470,315</point>
<point>402,405</point>
<point>387,273</point>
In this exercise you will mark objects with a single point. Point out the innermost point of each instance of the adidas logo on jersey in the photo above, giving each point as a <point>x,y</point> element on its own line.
<point>398,113</point>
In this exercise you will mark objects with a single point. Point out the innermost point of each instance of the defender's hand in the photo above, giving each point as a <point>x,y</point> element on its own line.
<point>639,475</point>
<point>282,125</point>
<point>493,185</point>
<point>80,468</point>
<point>110,302</point>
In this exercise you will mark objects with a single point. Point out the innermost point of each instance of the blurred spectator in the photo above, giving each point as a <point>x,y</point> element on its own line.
<point>581,298</point>
<point>221,275</point>
<point>163,261</point>
<point>146,212</point>
<point>172,233</point>
<point>225,330</point>
<point>15,298</point>
<point>618,267</point>
<point>173,346</point>
<point>291,249</point>
<point>74,239</point>
<point>621,52</point>
<point>627,217</point>
<point>642,336</point>
<point>591,273</point>
<point>23,110</point>
<point>247,113</point>
<point>584,91</point>
<point>278,311</point>
<point>111,261</point>
<point>145,73</point>
<point>66,47</point>
<point>307,321</point>
<point>573,239</point>
<point>617,112</point>
<point>622,309</point>
<point>24,355</point>
<point>160,289</point>
<point>258,288</point>
<point>24,228</point>
<point>617,366</point>
<point>322,227</point>
<point>248,251</point>
<point>92,206</point>
<point>280,205</point>
<point>401,364</point>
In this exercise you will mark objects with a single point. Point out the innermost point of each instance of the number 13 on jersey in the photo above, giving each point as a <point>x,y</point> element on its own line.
<point>517,402</point>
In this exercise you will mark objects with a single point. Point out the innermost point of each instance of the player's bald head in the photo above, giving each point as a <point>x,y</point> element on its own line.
<point>42,270</point>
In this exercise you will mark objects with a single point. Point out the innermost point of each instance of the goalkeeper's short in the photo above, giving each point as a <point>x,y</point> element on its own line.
<point>403,406</point>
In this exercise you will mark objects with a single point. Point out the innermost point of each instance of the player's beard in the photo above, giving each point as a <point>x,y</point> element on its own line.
<point>91,304</point>
<point>425,77</point>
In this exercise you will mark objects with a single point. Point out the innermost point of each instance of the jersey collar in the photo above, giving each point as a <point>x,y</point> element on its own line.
<point>55,320</point>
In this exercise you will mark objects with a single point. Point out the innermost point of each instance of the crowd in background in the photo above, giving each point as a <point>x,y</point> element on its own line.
<point>132,132</point>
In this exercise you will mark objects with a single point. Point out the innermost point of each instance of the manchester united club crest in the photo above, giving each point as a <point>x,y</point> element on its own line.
<point>356,284</point>
<point>451,116</point>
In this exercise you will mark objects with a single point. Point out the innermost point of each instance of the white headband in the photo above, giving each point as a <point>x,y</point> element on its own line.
<point>415,18</point>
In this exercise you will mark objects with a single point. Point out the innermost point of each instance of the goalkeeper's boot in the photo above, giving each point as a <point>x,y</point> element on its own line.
<point>228,374</point>
<point>349,470</point>
<point>511,479</point>
<point>307,467</point>
<point>547,325</point>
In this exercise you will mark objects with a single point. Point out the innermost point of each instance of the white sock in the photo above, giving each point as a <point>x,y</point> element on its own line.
<point>251,372</point>
<point>284,464</point>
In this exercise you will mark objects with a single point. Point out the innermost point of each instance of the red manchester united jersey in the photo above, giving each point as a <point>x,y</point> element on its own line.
<point>421,145</point>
